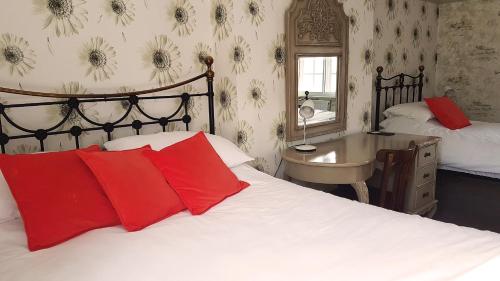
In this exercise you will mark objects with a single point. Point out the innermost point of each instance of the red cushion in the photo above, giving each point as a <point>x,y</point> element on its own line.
<point>135,187</point>
<point>197,173</point>
<point>448,113</point>
<point>57,195</point>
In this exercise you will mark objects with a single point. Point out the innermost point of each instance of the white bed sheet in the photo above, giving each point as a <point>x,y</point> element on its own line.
<point>320,116</point>
<point>273,230</point>
<point>474,149</point>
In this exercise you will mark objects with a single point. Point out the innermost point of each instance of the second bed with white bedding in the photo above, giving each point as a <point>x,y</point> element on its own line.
<point>474,149</point>
<point>273,230</point>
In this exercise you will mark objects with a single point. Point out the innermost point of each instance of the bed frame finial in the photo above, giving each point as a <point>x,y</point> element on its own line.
<point>378,89</point>
<point>209,61</point>
<point>420,81</point>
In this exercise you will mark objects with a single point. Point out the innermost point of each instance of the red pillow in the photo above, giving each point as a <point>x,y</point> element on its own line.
<point>448,113</point>
<point>57,195</point>
<point>197,173</point>
<point>138,191</point>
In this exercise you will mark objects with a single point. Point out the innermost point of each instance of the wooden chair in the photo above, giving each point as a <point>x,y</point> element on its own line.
<point>397,165</point>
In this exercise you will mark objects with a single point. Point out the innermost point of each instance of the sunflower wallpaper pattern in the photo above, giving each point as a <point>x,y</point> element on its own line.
<point>469,61</point>
<point>405,35</point>
<point>100,46</point>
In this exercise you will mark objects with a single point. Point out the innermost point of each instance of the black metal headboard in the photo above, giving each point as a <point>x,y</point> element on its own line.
<point>388,90</point>
<point>73,105</point>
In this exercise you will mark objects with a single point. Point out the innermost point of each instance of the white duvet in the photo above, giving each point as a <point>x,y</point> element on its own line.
<point>273,230</point>
<point>320,116</point>
<point>475,148</point>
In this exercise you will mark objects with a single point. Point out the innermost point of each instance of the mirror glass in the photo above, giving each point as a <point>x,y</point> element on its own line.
<point>317,82</point>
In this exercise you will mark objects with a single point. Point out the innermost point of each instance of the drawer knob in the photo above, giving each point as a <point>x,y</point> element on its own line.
<point>427,154</point>
<point>425,195</point>
<point>426,175</point>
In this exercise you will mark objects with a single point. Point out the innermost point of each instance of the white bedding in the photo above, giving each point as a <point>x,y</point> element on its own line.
<point>320,116</point>
<point>273,230</point>
<point>474,149</point>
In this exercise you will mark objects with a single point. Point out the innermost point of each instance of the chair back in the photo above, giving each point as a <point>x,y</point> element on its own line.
<point>397,165</point>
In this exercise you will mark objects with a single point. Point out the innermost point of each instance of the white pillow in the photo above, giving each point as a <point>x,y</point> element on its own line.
<point>228,151</point>
<point>415,110</point>
<point>8,206</point>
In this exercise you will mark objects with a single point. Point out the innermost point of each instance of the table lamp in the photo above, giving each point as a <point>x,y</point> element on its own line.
<point>306,111</point>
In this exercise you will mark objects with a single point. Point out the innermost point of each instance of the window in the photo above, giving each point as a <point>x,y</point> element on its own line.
<point>318,75</point>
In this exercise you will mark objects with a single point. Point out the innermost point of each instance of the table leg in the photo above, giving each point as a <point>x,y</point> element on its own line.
<point>362,191</point>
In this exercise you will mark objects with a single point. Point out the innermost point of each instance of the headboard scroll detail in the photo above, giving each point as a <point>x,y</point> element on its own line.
<point>73,102</point>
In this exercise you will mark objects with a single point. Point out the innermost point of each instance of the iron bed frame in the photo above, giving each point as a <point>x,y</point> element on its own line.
<point>133,98</point>
<point>414,88</point>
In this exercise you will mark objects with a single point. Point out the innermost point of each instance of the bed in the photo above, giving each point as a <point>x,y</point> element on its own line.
<point>272,230</point>
<point>473,150</point>
<point>470,150</point>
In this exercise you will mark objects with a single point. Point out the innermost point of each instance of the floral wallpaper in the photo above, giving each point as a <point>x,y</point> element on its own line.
<point>83,46</point>
<point>405,37</point>
<point>469,61</point>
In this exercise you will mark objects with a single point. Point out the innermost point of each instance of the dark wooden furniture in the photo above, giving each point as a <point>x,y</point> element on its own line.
<point>398,89</point>
<point>397,166</point>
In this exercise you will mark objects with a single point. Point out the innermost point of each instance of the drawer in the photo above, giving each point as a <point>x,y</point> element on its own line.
<point>423,195</point>
<point>426,174</point>
<point>426,155</point>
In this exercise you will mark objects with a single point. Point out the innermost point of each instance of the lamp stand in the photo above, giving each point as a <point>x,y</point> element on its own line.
<point>305,147</point>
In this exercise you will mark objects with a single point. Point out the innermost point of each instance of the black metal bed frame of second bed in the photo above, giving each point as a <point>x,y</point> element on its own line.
<point>414,88</point>
<point>73,104</point>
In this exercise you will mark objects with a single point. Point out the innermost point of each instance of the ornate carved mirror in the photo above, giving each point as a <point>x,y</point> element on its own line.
<point>317,33</point>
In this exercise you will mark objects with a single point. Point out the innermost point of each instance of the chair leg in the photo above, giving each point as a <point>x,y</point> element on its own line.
<point>386,173</point>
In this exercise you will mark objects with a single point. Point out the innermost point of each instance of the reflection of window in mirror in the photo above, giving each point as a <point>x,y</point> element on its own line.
<point>317,65</point>
<point>317,81</point>
<point>318,75</point>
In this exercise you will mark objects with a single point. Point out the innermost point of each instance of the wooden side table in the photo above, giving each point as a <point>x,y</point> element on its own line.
<point>347,160</point>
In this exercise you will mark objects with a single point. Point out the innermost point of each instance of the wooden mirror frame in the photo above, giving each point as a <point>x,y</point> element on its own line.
<point>316,28</point>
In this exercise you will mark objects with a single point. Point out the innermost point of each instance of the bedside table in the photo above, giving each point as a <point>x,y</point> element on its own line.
<point>351,160</point>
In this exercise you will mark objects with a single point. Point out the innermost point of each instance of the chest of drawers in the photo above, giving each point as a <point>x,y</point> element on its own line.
<point>421,189</point>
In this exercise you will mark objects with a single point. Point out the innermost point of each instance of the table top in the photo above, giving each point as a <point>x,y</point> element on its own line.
<point>354,150</point>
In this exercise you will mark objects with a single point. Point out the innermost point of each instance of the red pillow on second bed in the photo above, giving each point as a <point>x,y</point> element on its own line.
<point>57,195</point>
<point>194,169</point>
<point>137,190</point>
<point>447,113</point>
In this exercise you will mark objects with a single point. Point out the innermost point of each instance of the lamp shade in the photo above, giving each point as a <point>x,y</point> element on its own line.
<point>307,109</point>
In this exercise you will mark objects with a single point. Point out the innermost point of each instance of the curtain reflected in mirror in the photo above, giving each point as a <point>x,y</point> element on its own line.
<point>317,81</point>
